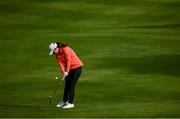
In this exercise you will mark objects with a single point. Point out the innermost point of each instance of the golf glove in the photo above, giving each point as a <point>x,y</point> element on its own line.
<point>65,74</point>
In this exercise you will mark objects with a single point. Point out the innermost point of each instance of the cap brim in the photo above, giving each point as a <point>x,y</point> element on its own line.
<point>50,52</point>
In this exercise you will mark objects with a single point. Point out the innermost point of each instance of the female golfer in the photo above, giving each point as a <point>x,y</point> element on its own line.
<point>71,67</point>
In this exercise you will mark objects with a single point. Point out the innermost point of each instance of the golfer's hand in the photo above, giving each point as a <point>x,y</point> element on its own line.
<point>65,74</point>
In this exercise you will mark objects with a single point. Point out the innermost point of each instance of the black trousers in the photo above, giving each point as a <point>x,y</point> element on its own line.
<point>70,83</point>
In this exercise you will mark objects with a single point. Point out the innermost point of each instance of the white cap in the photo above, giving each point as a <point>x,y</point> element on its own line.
<point>52,46</point>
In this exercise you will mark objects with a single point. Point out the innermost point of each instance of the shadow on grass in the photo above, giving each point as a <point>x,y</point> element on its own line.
<point>159,64</point>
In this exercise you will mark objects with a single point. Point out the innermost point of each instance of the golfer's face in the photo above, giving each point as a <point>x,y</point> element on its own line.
<point>56,51</point>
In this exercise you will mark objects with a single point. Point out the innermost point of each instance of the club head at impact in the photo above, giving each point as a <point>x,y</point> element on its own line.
<point>50,100</point>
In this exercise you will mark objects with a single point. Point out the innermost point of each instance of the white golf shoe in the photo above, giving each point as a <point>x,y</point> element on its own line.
<point>61,104</point>
<point>68,105</point>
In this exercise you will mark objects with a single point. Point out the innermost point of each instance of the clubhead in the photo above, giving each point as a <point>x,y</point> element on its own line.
<point>50,100</point>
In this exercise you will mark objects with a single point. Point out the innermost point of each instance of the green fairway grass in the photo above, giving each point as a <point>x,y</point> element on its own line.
<point>130,50</point>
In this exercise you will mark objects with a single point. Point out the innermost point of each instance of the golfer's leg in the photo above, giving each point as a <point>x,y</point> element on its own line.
<point>66,89</point>
<point>75,76</point>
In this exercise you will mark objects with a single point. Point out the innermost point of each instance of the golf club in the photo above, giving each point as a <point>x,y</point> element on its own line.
<point>54,92</point>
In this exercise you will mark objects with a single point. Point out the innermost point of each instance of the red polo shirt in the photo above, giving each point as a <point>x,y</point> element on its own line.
<point>68,59</point>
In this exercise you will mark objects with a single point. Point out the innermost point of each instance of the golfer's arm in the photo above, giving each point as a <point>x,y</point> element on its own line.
<point>68,58</point>
<point>61,67</point>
